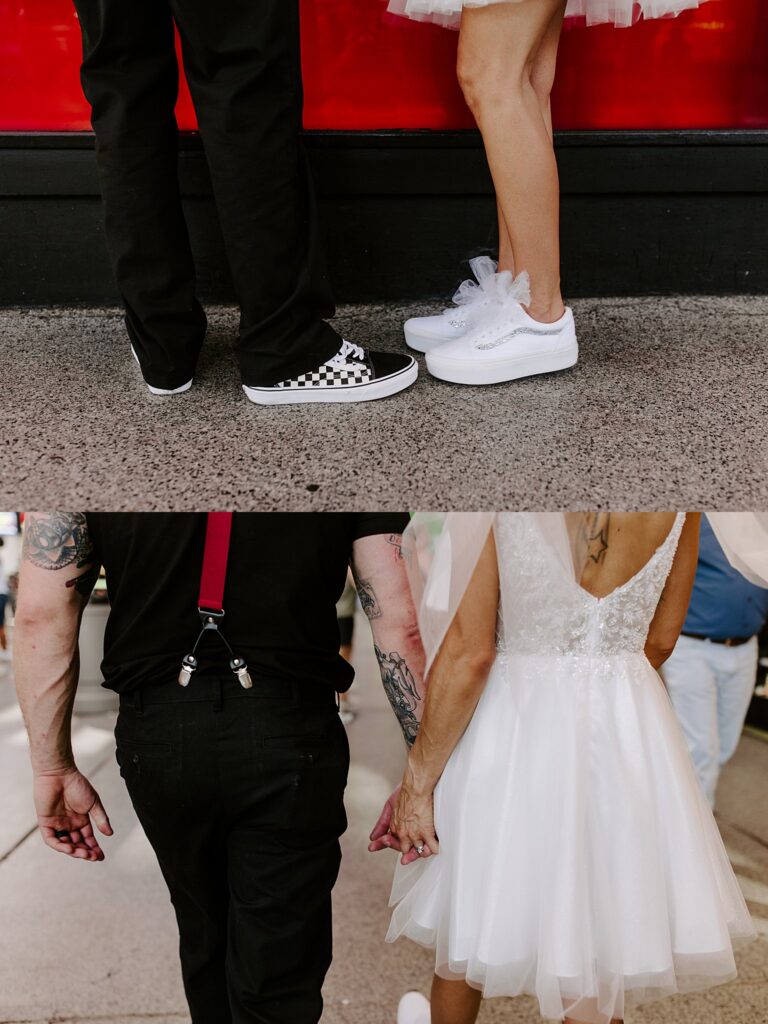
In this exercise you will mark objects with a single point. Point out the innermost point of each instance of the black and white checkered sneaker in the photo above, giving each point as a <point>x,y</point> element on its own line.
<point>353,375</point>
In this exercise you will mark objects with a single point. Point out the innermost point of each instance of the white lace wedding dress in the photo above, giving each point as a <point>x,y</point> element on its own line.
<point>596,12</point>
<point>579,860</point>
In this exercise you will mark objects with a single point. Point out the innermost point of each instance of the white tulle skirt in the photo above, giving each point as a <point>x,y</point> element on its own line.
<point>596,12</point>
<point>579,860</point>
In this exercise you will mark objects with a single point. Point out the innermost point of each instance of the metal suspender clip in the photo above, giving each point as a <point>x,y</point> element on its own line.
<point>240,669</point>
<point>210,621</point>
<point>188,666</point>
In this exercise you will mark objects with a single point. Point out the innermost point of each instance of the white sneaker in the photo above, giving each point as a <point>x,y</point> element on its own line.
<point>163,391</point>
<point>423,333</point>
<point>352,375</point>
<point>506,345</point>
<point>413,1009</point>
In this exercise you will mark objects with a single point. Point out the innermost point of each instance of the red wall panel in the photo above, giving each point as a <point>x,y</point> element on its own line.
<point>366,69</point>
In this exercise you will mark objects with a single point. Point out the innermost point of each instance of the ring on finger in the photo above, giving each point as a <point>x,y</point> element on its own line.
<point>420,849</point>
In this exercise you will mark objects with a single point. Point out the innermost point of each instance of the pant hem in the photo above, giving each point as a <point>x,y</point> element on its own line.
<point>323,349</point>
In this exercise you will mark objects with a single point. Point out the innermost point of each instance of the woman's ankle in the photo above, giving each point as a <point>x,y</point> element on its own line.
<point>454,1002</point>
<point>546,313</point>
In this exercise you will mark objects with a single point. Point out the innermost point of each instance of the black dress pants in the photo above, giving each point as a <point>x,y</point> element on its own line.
<point>242,60</point>
<point>240,793</point>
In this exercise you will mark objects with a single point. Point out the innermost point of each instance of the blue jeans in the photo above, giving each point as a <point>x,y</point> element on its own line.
<point>711,686</point>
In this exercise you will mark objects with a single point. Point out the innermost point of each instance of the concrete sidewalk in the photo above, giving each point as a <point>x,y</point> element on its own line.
<point>96,943</point>
<point>666,409</point>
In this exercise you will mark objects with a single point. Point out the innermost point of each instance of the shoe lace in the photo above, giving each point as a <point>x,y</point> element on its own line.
<point>348,349</point>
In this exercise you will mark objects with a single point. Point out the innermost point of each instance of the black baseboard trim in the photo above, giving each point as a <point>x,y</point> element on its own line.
<point>643,213</point>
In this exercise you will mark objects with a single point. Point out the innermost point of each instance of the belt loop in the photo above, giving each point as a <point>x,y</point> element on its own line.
<point>138,702</point>
<point>218,698</point>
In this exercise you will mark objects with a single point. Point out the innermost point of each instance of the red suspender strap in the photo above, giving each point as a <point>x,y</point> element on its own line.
<point>215,557</point>
<point>218,530</point>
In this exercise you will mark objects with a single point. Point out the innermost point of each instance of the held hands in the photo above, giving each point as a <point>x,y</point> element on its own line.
<point>67,803</point>
<point>406,824</point>
<point>381,838</point>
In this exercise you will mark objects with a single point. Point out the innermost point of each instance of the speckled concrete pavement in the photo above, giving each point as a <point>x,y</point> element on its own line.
<point>96,943</point>
<point>667,408</point>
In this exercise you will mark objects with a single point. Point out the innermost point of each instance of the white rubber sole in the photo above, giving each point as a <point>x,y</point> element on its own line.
<point>176,391</point>
<point>499,371</point>
<point>382,388</point>
<point>413,1009</point>
<point>422,342</point>
<point>163,391</point>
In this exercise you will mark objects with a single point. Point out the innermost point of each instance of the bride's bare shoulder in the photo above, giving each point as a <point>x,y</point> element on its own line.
<point>645,530</point>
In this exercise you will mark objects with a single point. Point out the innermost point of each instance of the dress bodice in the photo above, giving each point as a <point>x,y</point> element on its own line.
<point>545,611</point>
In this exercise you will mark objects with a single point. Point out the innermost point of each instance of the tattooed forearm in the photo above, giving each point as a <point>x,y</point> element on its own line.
<point>402,693</point>
<point>55,540</point>
<point>368,599</point>
<point>394,625</point>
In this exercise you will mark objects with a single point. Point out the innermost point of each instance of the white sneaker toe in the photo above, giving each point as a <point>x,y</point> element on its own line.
<point>471,301</point>
<point>423,333</point>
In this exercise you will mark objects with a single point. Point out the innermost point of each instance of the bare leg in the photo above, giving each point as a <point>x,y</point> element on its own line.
<point>542,77</point>
<point>454,1002</point>
<point>506,256</point>
<point>498,50</point>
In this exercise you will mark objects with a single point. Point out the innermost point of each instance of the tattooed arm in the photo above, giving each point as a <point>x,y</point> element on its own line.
<point>58,571</point>
<point>382,583</point>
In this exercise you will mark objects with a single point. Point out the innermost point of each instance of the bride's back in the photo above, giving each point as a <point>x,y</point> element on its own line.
<point>609,548</point>
<point>591,588</point>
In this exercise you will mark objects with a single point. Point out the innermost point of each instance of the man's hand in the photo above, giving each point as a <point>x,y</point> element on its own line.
<point>381,838</point>
<point>67,802</point>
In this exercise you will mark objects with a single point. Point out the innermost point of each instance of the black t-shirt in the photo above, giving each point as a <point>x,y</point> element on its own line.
<point>286,572</point>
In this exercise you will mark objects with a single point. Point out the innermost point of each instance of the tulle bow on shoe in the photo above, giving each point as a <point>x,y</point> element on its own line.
<point>491,286</point>
<point>470,292</point>
<point>515,290</point>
